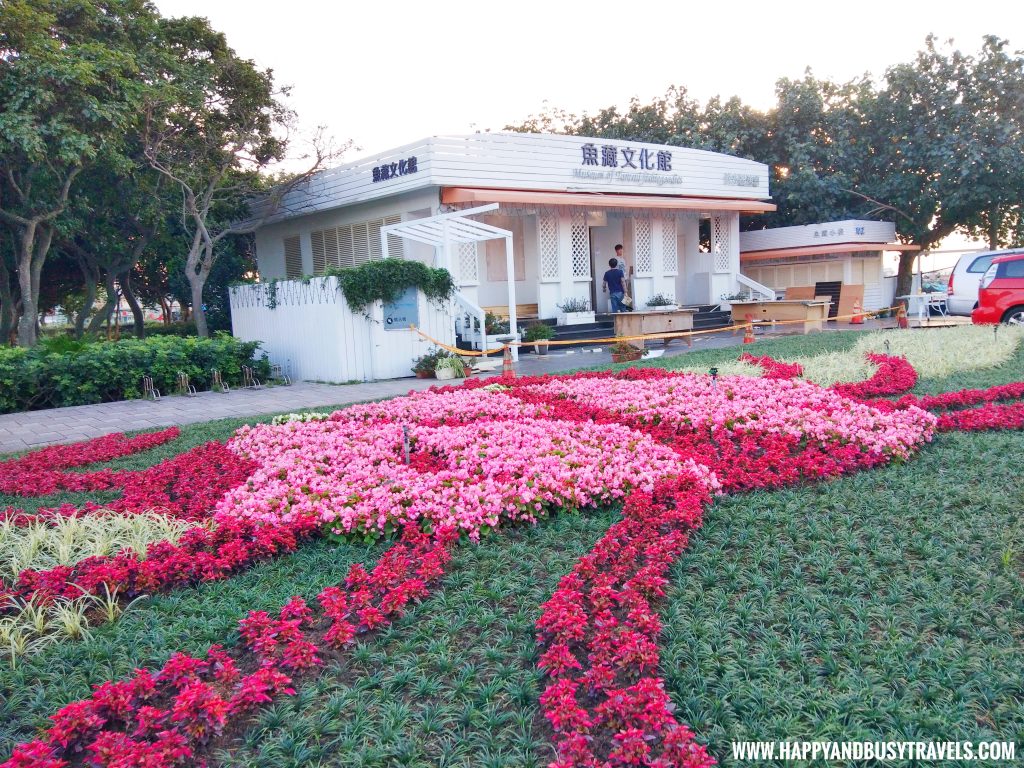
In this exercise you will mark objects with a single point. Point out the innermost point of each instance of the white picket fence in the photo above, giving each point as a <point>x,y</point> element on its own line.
<point>309,329</point>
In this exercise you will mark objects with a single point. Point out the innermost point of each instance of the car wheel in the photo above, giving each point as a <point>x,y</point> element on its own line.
<point>1014,316</point>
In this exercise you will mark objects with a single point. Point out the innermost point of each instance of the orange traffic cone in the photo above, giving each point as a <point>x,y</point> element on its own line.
<point>858,318</point>
<point>506,364</point>
<point>901,317</point>
<point>748,335</point>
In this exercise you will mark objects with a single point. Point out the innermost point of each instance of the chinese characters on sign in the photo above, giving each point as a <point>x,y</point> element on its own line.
<point>741,179</point>
<point>835,232</point>
<point>392,170</point>
<point>644,160</point>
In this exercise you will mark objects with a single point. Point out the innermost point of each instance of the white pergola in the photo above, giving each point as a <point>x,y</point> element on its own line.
<point>443,232</point>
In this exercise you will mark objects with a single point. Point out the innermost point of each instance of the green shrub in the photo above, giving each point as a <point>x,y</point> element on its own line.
<point>173,329</point>
<point>99,372</point>
<point>386,279</point>
<point>539,332</point>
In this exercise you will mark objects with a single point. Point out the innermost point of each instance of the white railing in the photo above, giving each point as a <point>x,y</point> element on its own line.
<point>468,312</point>
<point>758,291</point>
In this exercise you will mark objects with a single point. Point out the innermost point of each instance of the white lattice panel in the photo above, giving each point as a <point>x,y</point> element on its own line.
<point>642,244</point>
<point>669,246</point>
<point>469,264</point>
<point>580,245</point>
<point>547,226</point>
<point>720,244</point>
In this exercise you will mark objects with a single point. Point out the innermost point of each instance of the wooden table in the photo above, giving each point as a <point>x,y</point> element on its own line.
<point>643,323</point>
<point>812,314</point>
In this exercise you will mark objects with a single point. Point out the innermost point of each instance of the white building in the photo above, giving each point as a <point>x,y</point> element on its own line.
<point>821,255</point>
<point>566,201</point>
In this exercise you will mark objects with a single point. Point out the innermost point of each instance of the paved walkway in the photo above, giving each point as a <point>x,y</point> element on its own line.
<point>33,429</point>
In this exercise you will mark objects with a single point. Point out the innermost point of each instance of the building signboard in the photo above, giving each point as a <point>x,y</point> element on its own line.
<point>402,313</point>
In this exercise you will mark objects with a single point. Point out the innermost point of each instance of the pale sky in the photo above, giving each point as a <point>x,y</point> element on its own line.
<point>388,73</point>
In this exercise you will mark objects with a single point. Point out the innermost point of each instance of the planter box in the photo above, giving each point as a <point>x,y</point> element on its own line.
<point>576,318</point>
<point>444,373</point>
<point>626,357</point>
<point>664,308</point>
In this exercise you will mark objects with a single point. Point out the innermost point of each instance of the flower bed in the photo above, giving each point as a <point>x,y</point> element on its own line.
<point>599,632</point>
<point>174,716</point>
<point>460,461</point>
<point>774,369</point>
<point>351,477</point>
<point>42,472</point>
<point>738,405</point>
<point>895,376</point>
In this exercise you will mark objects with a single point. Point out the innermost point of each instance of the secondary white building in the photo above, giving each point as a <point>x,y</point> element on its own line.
<point>820,256</point>
<point>557,206</point>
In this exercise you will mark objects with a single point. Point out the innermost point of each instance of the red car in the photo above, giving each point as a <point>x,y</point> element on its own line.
<point>1001,293</point>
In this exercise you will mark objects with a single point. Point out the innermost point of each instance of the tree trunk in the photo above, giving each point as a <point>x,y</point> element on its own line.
<point>196,281</point>
<point>83,313</point>
<point>133,302</point>
<point>905,274</point>
<point>7,311</point>
<point>104,314</point>
<point>994,220</point>
<point>27,323</point>
<point>90,277</point>
<point>165,310</point>
<point>197,269</point>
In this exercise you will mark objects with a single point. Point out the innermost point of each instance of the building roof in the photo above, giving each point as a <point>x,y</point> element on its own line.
<point>534,162</point>
<point>827,237</point>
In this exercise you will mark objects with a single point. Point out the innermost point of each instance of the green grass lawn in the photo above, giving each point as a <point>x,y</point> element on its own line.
<point>883,606</point>
<point>886,605</point>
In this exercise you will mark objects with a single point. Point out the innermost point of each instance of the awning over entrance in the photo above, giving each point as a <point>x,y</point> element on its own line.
<point>601,200</point>
<point>822,250</point>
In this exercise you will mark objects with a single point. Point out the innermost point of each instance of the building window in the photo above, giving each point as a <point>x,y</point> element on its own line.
<point>353,244</point>
<point>292,257</point>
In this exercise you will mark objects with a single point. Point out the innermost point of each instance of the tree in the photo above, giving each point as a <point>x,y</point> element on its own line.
<point>109,226</point>
<point>213,126</point>
<point>938,147</point>
<point>71,82</point>
<point>947,147</point>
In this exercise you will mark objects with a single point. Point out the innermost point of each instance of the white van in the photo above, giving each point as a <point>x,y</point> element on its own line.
<point>966,277</point>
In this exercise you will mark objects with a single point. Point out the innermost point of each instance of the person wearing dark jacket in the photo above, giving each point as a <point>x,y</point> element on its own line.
<point>614,283</point>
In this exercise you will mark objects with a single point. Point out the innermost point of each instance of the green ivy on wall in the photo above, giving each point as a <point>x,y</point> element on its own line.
<point>387,279</point>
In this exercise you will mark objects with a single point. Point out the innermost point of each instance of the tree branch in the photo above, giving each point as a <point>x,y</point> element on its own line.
<point>880,206</point>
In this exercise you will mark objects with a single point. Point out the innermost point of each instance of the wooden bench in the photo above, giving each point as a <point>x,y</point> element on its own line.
<point>523,311</point>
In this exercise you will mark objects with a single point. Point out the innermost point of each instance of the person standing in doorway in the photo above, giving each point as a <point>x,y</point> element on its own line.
<point>615,283</point>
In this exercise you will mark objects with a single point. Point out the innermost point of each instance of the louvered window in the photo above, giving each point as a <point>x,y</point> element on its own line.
<point>353,244</point>
<point>292,257</point>
<point>319,262</point>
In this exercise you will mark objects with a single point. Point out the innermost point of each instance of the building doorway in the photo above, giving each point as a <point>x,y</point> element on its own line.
<point>605,232</point>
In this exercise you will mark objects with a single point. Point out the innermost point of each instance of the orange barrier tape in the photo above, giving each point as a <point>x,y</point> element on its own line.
<point>645,337</point>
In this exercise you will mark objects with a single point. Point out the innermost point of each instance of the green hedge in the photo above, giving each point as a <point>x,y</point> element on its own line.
<point>31,379</point>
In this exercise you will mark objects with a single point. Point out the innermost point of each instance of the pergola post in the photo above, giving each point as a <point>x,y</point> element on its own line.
<point>511,270</point>
<point>447,246</point>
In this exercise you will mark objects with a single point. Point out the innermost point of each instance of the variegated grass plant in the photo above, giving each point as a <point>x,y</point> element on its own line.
<point>66,540</point>
<point>33,624</point>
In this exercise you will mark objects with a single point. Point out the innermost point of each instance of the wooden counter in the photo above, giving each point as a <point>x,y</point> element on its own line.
<point>812,314</point>
<point>643,323</point>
